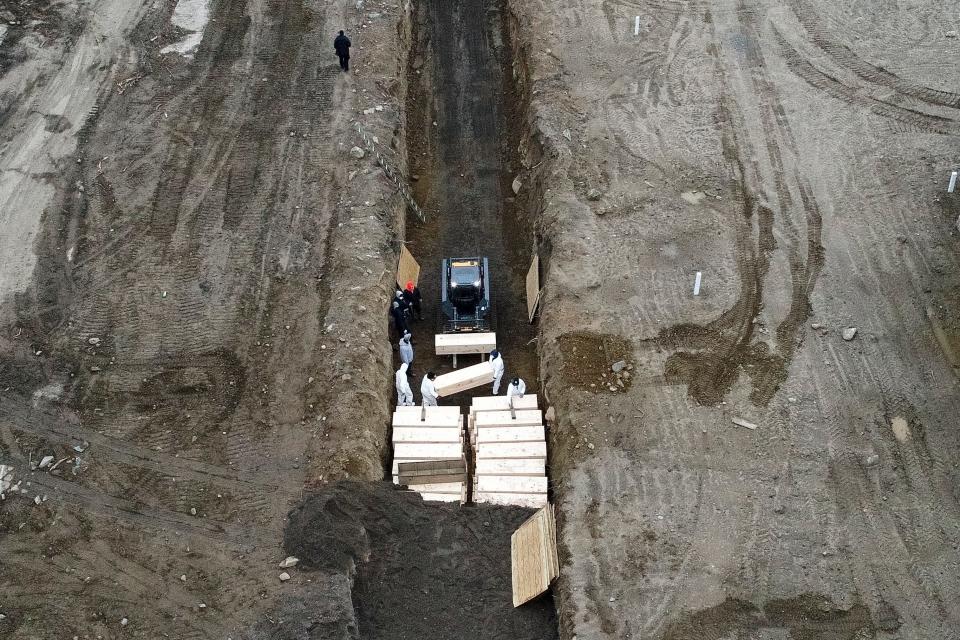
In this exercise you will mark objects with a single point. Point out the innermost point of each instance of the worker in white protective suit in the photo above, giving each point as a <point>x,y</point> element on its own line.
<point>404,392</point>
<point>429,390</point>
<point>497,361</point>
<point>517,387</point>
<point>406,350</point>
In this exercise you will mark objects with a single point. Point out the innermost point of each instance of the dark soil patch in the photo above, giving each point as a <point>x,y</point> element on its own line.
<point>588,359</point>
<point>423,570</point>
<point>807,617</point>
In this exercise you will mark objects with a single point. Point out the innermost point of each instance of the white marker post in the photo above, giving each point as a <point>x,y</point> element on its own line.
<point>636,26</point>
<point>696,285</point>
<point>953,182</point>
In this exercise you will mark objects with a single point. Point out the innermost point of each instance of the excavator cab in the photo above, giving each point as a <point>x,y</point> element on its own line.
<point>465,295</point>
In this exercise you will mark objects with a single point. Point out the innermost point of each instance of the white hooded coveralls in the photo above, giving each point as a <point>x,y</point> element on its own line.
<point>404,392</point>
<point>497,372</point>
<point>429,392</point>
<point>517,389</point>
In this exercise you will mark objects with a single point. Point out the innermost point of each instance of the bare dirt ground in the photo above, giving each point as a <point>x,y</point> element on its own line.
<point>192,291</point>
<point>797,154</point>
<point>195,271</point>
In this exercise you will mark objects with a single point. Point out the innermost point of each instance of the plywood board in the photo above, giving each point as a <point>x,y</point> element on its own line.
<point>442,497</point>
<point>510,434</point>
<point>507,450</point>
<point>511,484</point>
<point>397,463</point>
<point>450,412</point>
<point>524,418</point>
<point>427,434</point>
<point>405,451</point>
<point>446,487</point>
<point>533,556</point>
<point>448,344</point>
<point>533,287</point>
<point>463,379</point>
<point>407,269</point>
<point>431,479</point>
<point>502,403</point>
<point>532,500</point>
<point>412,419</point>
<point>429,467</point>
<point>515,467</point>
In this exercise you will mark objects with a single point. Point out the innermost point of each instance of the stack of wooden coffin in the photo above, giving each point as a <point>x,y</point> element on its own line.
<point>510,451</point>
<point>428,452</point>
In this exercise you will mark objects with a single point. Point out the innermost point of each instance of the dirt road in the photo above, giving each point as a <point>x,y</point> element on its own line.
<point>796,154</point>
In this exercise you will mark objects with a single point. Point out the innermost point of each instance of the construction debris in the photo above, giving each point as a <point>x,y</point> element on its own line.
<point>740,422</point>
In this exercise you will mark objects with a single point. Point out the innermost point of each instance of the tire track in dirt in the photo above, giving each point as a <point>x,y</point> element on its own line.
<point>727,345</point>
<point>847,59</point>
<point>836,88</point>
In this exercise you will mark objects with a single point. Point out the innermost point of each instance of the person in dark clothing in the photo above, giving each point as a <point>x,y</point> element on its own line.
<point>404,305</point>
<point>412,295</point>
<point>399,319</point>
<point>342,46</point>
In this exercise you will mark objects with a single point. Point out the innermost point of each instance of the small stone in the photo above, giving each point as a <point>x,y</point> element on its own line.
<point>346,377</point>
<point>289,561</point>
<point>202,605</point>
<point>618,366</point>
<point>94,369</point>
<point>124,622</point>
<point>284,576</point>
<point>357,153</point>
<point>872,460</point>
<point>566,134</point>
<point>779,509</point>
<point>816,325</point>
<point>516,185</point>
<point>550,415</point>
<point>193,511</point>
<point>849,333</point>
<point>45,462</point>
<point>37,500</point>
<point>590,445</point>
<point>951,34</point>
<point>94,341</point>
<point>594,194</point>
<point>183,577</point>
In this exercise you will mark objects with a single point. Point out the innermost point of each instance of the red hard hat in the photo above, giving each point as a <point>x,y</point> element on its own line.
<point>409,285</point>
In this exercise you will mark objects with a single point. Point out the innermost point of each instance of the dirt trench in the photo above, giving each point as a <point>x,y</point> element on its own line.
<point>461,130</point>
<point>428,568</point>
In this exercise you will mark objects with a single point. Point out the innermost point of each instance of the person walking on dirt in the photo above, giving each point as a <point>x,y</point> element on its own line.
<point>406,350</point>
<point>429,390</point>
<point>341,45</point>
<point>399,320</point>
<point>404,392</point>
<point>412,295</point>
<point>498,367</point>
<point>516,388</point>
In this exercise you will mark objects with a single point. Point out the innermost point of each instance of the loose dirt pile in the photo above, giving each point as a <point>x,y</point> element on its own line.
<point>420,570</point>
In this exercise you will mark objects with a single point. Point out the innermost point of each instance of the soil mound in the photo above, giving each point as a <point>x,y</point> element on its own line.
<point>423,570</point>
